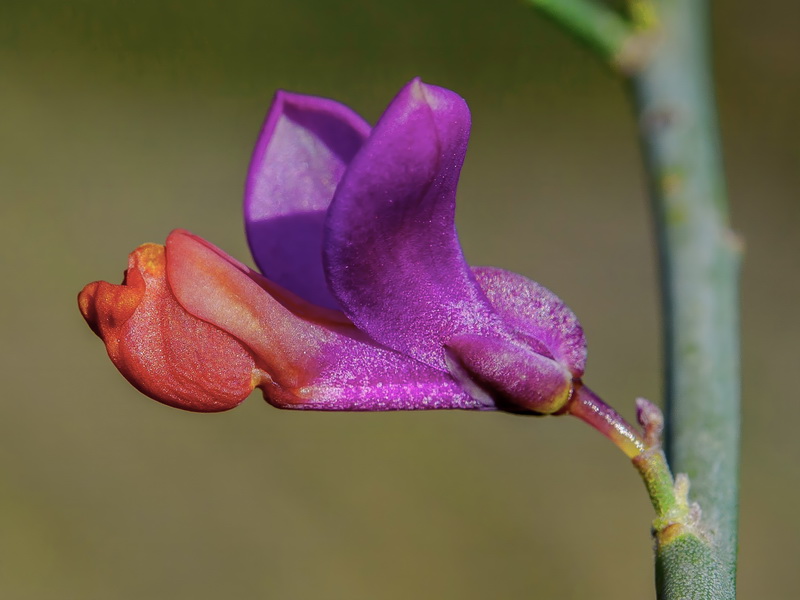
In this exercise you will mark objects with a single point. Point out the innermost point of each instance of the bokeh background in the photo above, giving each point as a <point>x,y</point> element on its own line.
<point>122,120</point>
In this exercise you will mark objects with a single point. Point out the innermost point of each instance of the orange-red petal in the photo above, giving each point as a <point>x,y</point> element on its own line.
<point>165,352</point>
<point>196,329</point>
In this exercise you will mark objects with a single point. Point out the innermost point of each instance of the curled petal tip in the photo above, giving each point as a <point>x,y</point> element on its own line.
<point>161,349</point>
<point>417,91</point>
<point>435,97</point>
<point>517,378</point>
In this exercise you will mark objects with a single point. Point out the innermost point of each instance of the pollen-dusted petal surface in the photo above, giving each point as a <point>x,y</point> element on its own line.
<point>320,363</point>
<point>162,350</point>
<point>534,311</point>
<point>392,255</point>
<point>516,377</point>
<point>304,147</point>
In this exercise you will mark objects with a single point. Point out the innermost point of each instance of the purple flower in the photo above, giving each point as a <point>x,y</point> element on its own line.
<point>366,301</point>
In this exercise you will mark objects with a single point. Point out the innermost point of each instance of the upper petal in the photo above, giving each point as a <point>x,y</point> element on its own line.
<point>303,150</point>
<point>391,251</point>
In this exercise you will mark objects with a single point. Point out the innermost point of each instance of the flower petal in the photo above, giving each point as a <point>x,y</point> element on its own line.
<point>536,312</point>
<point>163,351</point>
<point>535,369</point>
<point>304,147</point>
<point>514,376</point>
<point>391,251</point>
<point>319,361</point>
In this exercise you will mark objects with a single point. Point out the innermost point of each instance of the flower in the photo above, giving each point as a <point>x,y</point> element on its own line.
<point>366,301</point>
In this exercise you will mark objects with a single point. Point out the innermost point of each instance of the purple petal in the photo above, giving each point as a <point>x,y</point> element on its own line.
<point>391,251</point>
<point>536,312</point>
<point>379,380</point>
<point>510,373</point>
<point>303,150</point>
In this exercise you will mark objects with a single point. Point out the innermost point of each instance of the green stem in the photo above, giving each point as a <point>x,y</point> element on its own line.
<point>589,408</point>
<point>668,496</point>
<point>699,265</point>
<point>699,255</point>
<point>688,565</point>
<point>597,25</point>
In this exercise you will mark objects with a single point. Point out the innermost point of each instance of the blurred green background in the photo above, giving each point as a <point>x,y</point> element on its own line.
<point>122,120</point>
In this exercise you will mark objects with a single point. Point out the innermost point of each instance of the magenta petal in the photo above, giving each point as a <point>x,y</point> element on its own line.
<point>511,374</point>
<point>372,379</point>
<point>535,312</point>
<point>303,150</point>
<point>392,254</point>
